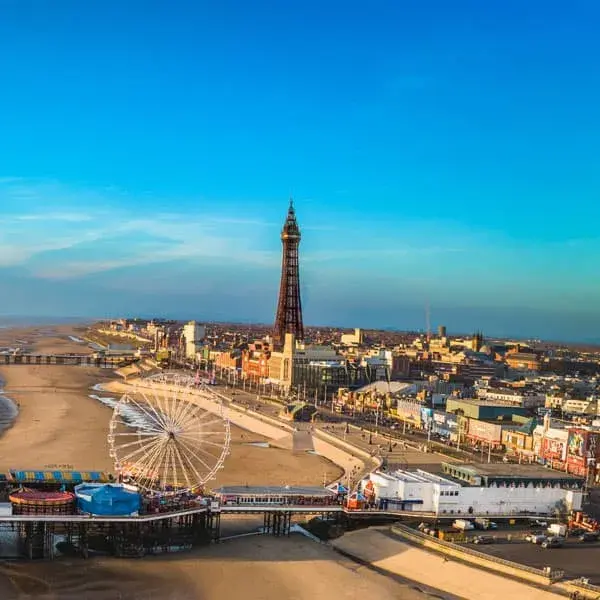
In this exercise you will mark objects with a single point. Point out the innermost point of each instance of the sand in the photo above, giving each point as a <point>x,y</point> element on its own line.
<point>60,426</point>
<point>396,557</point>
<point>254,568</point>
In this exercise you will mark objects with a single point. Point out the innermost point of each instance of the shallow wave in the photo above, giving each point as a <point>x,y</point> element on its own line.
<point>131,416</point>
<point>8,410</point>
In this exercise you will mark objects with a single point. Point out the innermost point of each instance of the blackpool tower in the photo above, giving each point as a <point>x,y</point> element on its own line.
<point>289,307</point>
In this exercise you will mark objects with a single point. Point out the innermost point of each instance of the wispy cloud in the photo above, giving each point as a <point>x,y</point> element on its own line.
<point>373,253</point>
<point>67,217</point>
<point>49,239</point>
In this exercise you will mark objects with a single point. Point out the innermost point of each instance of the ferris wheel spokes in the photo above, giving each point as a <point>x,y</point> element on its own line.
<point>176,444</point>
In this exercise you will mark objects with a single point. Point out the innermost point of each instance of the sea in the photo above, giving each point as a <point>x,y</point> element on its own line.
<point>8,409</point>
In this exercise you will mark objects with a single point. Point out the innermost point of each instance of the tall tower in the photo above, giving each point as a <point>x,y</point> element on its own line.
<point>289,307</point>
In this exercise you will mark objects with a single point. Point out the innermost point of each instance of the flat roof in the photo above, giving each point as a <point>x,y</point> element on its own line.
<point>484,402</point>
<point>418,475</point>
<point>517,471</point>
<point>273,490</point>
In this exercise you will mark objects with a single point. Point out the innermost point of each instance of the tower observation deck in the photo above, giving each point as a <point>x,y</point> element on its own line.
<point>289,307</point>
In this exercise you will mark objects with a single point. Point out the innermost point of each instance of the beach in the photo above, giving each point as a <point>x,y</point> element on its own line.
<point>60,426</point>
<point>254,568</point>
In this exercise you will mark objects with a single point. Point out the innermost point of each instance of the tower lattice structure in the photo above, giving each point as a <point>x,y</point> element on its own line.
<point>289,307</point>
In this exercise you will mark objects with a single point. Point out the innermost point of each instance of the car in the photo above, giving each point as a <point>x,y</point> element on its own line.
<point>483,539</point>
<point>553,542</point>
<point>529,537</point>
<point>539,522</point>
<point>588,536</point>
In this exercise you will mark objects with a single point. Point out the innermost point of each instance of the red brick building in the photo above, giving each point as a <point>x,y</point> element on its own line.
<point>228,360</point>
<point>255,361</point>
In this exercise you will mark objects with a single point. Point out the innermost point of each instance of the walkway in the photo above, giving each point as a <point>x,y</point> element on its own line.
<point>399,558</point>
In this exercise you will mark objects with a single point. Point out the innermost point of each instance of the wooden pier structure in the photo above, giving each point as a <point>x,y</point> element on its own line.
<point>78,360</point>
<point>37,536</point>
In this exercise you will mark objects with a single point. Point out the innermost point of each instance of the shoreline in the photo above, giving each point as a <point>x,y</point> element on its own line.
<point>9,409</point>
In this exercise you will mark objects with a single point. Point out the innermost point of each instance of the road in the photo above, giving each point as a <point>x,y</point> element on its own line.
<point>398,450</point>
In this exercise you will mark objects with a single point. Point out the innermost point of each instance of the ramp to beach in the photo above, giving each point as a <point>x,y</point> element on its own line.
<point>296,441</point>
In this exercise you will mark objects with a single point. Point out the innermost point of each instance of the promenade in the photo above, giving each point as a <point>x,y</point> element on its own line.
<point>395,557</point>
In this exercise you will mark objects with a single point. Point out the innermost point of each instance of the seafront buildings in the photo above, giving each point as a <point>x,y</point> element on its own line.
<point>534,403</point>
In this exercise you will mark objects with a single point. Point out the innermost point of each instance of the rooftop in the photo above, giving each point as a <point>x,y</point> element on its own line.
<point>505,471</point>
<point>384,387</point>
<point>273,490</point>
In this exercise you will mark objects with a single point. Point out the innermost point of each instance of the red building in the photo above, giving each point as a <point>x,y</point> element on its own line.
<point>583,451</point>
<point>228,360</point>
<point>554,452</point>
<point>255,361</point>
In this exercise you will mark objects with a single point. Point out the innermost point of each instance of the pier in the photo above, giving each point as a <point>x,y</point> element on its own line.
<point>77,360</point>
<point>37,536</point>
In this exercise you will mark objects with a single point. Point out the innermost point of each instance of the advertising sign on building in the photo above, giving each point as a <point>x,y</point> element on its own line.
<point>582,449</point>
<point>482,430</point>
<point>427,417</point>
<point>444,422</point>
<point>576,444</point>
<point>410,411</point>
<point>553,449</point>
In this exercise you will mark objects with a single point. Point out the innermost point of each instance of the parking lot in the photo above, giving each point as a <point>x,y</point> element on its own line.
<point>576,558</point>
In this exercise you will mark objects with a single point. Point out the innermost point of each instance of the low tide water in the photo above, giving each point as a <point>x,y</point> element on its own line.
<point>8,409</point>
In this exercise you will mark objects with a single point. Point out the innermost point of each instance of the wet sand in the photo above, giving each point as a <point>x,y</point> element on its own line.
<point>255,568</point>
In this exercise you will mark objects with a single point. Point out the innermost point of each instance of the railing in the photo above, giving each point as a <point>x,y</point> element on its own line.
<point>419,537</point>
<point>583,585</point>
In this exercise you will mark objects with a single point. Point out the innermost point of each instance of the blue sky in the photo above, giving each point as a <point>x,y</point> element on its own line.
<point>437,151</point>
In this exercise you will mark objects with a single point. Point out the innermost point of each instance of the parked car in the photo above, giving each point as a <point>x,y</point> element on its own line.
<point>539,522</point>
<point>553,542</point>
<point>536,539</point>
<point>588,536</point>
<point>483,539</point>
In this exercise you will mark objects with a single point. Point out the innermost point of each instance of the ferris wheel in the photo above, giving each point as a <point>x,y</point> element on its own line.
<point>167,437</point>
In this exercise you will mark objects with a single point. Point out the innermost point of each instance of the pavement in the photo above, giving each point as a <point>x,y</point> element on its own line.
<point>396,459</point>
<point>397,452</point>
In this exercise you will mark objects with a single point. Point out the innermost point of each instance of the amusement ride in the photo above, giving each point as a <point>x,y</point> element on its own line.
<point>167,438</point>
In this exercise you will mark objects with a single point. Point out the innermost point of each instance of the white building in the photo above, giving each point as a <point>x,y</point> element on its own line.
<point>353,339</point>
<point>486,489</point>
<point>514,397</point>
<point>194,334</point>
